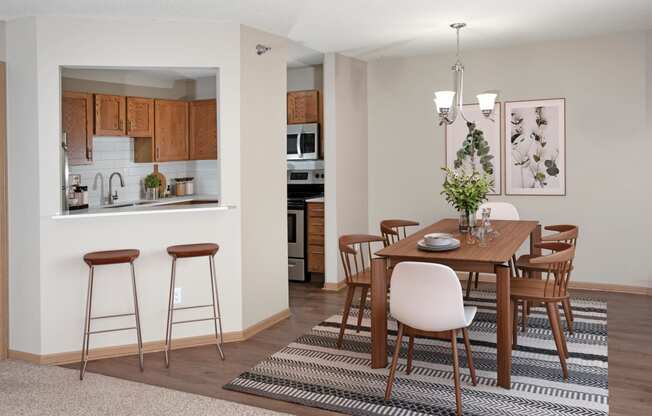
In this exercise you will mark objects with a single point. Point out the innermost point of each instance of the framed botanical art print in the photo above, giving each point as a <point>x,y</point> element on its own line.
<point>535,147</point>
<point>475,144</point>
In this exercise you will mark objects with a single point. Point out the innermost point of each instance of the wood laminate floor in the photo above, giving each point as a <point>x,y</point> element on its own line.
<point>196,370</point>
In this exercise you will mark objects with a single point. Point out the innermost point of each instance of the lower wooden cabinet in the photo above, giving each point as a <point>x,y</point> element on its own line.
<point>316,237</point>
<point>77,125</point>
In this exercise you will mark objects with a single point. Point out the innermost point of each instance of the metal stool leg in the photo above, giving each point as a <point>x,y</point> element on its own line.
<point>168,328</point>
<point>137,313</point>
<point>87,325</point>
<point>217,315</point>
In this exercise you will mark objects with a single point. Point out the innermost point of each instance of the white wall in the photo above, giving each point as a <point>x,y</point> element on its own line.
<point>345,128</point>
<point>604,81</point>
<point>264,179</point>
<point>3,44</point>
<point>305,78</point>
<point>47,275</point>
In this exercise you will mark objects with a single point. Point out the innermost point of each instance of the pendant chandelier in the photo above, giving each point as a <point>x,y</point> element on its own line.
<point>449,103</point>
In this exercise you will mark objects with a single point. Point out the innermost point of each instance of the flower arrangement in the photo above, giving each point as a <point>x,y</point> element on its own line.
<point>465,192</point>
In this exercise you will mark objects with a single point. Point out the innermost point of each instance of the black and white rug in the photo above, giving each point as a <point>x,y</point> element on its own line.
<point>313,372</point>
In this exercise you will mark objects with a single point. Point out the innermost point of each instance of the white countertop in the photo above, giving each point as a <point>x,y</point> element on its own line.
<point>318,199</point>
<point>163,205</point>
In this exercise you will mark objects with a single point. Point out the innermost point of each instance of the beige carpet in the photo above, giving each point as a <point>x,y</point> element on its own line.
<point>27,390</point>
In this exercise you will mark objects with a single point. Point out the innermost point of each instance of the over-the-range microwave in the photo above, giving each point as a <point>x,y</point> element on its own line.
<point>303,141</point>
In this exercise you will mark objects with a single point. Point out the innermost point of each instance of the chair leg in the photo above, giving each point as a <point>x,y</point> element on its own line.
<point>456,374</point>
<point>469,282</point>
<point>553,316</point>
<point>469,356</point>
<point>410,355</point>
<point>168,327</point>
<point>477,280</point>
<point>137,315</point>
<point>217,315</point>
<point>563,336</point>
<point>363,302</point>
<point>345,316</point>
<point>87,324</point>
<point>512,266</point>
<point>514,323</point>
<point>392,370</point>
<point>526,315</point>
<point>568,314</point>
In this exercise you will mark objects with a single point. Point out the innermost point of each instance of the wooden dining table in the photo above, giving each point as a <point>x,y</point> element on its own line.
<point>492,258</point>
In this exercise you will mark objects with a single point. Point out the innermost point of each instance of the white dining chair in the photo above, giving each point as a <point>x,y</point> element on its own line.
<point>427,301</point>
<point>499,211</point>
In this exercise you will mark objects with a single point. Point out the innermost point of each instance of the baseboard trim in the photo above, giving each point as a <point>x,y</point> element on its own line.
<point>592,286</point>
<point>334,287</point>
<point>151,346</point>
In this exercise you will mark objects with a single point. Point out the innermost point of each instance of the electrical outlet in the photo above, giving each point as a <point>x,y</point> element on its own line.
<point>177,295</point>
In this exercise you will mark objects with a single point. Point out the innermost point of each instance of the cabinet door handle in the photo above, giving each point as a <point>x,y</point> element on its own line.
<point>89,153</point>
<point>157,153</point>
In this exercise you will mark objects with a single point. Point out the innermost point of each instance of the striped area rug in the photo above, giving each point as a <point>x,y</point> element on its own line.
<point>313,372</point>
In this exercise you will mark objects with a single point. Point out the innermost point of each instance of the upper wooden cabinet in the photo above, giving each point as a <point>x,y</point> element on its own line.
<point>303,107</point>
<point>110,115</point>
<point>140,117</point>
<point>170,130</point>
<point>203,130</point>
<point>77,124</point>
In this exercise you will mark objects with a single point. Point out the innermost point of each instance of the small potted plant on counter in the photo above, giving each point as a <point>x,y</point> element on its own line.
<point>465,193</point>
<point>152,184</point>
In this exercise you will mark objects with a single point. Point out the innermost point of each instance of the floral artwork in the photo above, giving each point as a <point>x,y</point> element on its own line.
<point>474,145</point>
<point>535,147</point>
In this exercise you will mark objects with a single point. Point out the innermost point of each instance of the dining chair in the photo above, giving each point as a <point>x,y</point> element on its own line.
<point>391,230</point>
<point>499,211</point>
<point>355,253</point>
<point>563,233</point>
<point>552,291</point>
<point>427,302</point>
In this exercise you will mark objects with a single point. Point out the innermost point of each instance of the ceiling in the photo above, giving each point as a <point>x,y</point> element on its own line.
<point>370,29</point>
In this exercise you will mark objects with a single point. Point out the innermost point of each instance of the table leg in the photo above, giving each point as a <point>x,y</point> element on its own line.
<point>378,313</point>
<point>535,237</point>
<point>503,326</point>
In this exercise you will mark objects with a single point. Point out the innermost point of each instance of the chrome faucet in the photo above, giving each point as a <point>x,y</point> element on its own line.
<point>114,196</point>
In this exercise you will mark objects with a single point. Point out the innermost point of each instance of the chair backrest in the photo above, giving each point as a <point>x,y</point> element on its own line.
<point>559,265</point>
<point>426,296</point>
<point>500,211</point>
<point>391,230</point>
<point>355,252</point>
<point>564,233</point>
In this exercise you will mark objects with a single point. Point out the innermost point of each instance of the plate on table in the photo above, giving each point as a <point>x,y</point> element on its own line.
<point>455,243</point>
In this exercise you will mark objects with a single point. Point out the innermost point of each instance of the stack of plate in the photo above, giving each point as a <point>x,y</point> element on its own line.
<point>438,242</point>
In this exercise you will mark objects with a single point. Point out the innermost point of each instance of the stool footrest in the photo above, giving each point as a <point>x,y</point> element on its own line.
<point>111,330</point>
<point>118,315</point>
<point>192,307</point>
<point>195,320</point>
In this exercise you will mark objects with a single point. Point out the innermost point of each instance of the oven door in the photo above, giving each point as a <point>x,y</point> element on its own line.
<point>303,142</point>
<point>296,232</point>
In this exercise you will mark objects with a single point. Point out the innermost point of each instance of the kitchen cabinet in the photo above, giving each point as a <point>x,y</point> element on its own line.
<point>110,115</point>
<point>77,124</point>
<point>203,129</point>
<point>170,130</point>
<point>303,107</point>
<point>315,212</point>
<point>140,117</point>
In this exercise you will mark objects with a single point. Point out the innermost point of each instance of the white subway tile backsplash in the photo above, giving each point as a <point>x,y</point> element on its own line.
<point>115,154</point>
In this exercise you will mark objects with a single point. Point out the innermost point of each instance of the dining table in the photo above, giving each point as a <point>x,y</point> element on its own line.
<point>490,257</point>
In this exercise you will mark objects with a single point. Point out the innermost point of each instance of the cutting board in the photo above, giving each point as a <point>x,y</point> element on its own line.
<point>162,180</point>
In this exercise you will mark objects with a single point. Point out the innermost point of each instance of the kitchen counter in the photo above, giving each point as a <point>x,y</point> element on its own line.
<point>318,199</point>
<point>163,205</point>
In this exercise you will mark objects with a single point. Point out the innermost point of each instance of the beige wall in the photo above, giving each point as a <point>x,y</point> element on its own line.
<point>305,78</point>
<point>345,127</point>
<point>180,90</point>
<point>3,42</point>
<point>607,88</point>
<point>264,191</point>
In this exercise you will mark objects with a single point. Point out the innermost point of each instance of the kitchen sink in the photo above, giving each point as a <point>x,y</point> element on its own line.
<point>127,204</point>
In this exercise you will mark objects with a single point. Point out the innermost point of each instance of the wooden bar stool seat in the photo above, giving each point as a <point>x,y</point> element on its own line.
<point>184,251</point>
<point>104,258</point>
<point>193,250</point>
<point>101,258</point>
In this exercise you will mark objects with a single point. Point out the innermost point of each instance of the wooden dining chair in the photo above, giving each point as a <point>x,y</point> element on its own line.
<point>427,302</point>
<point>355,253</point>
<point>552,291</point>
<point>563,233</point>
<point>391,230</point>
<point>499,211</point>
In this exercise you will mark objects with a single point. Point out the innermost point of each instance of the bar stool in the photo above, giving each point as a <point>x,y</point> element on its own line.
<point>103,258</point>
<point>188,251</point>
